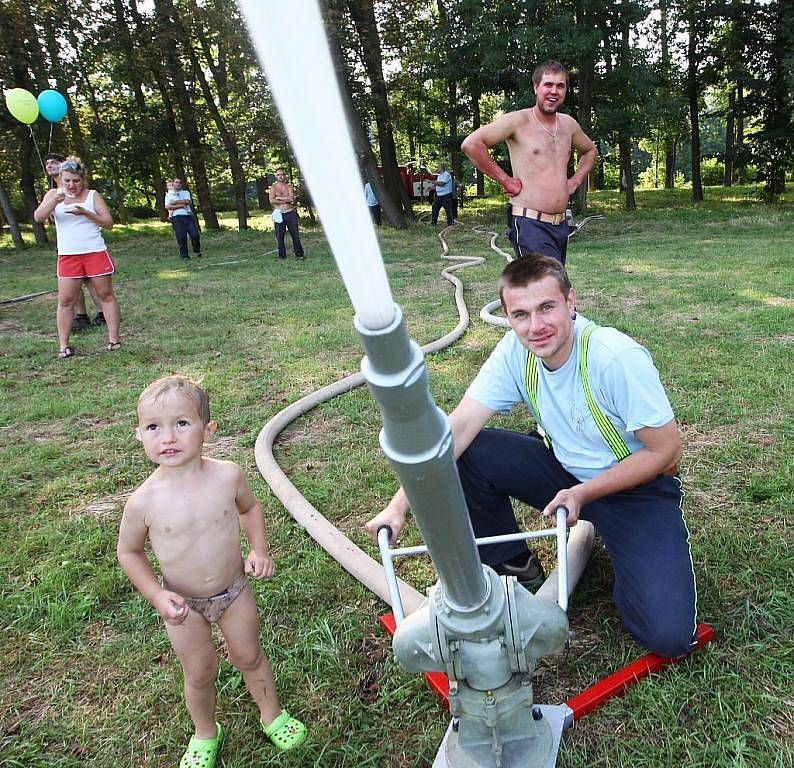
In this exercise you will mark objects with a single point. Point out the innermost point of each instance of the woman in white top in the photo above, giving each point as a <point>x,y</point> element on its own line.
<point>80,216</point>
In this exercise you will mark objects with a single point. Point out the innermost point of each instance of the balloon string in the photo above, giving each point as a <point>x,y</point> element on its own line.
<point>38,152</point>
<point>49,144</point>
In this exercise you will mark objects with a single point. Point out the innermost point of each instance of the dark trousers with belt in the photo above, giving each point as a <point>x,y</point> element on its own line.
<point>439,202</point>
<point>642,529</point>
<point>289,222</point>
<point>183,226</point>
<point>533,236</point>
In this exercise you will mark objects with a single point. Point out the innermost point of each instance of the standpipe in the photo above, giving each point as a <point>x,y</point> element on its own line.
<point>486,632</point>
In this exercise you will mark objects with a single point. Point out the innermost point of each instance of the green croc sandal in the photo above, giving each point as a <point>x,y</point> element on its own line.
<point>285,731</point>
<point>202,753</point>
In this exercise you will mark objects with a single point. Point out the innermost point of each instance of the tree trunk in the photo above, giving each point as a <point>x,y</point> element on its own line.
<point>586,78</point>
<point>730,135</point>
<point>740,168</point>
<point>361,146</point>
<point>669,162</point>
<point>454,150</point>
<point>476,122</point>
<point>363,15</point>
<point>669,140</point>
<point>229,141</point>
<point>599,168</point>
<point>143,129</point>
<point>692,91</point>
<point>121,208</point>
<point>261,193</point>
<point>169,42</point>
<point>8,214</point>
<point>27,183</point>
<point>624,144</point>
<point>78,144</point>
<point>160,190</point>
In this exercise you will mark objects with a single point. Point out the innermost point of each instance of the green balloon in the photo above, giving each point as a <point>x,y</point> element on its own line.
<point>22,105</point>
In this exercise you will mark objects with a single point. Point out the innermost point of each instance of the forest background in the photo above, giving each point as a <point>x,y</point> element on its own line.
<point>674,92</point>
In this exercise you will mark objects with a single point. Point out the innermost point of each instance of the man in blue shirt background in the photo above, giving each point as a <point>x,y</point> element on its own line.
<point>443,198</point>
<point>372,203</point>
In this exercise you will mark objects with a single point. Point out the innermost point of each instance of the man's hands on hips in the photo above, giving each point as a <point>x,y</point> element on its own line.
<point>568,498</point>
<point>512,186</point>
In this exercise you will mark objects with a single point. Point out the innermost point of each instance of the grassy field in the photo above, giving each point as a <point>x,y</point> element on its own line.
<point>88,676</point>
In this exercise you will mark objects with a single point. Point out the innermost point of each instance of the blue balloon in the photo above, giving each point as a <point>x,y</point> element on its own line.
<point>52,106</point>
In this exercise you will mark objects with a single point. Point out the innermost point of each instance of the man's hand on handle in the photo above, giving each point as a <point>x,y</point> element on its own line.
<point>568,498</point>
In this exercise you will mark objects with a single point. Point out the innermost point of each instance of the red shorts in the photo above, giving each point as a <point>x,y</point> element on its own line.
<point>85,264</point>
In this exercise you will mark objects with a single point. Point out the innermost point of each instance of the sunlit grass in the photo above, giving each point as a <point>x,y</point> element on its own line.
<point>88,676</point>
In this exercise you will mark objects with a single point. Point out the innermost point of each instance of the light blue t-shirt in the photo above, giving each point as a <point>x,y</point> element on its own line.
<point>172,197</point>
<point>446,187</point>
<point>624,382</point>
<point>370,195</point>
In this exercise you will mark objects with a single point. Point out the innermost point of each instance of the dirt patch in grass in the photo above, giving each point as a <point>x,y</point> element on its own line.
<point>629,300</point>
<point>16,329</point>
<point>107,509</point>
<point>318,429</point>
<point>224,447</point>
<point>53,431</point>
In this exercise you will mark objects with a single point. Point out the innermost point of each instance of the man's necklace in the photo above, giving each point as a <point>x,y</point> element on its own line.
<point>556,126</point>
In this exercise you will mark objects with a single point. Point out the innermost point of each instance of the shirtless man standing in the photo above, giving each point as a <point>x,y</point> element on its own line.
<point>539,140</point>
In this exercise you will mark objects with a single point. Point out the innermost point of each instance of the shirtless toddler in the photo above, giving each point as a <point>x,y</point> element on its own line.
<point>191,509</point>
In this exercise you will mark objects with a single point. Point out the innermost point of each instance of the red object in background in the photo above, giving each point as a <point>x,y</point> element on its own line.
<point>594,696</point>
<point>416,183</point>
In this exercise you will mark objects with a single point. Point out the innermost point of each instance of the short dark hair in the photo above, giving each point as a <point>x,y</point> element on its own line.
<point>54,156</point>
<point>550,65</point>
<point>530,269</point>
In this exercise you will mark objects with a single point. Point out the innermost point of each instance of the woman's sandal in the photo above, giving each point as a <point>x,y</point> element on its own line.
<point>113,346</point>
<point>285,731</point>
<point>65,352</point>
<point>202,753</point>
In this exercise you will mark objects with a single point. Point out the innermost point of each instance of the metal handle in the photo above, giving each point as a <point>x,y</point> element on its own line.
<point>562,557</point>
<point>384,537</point>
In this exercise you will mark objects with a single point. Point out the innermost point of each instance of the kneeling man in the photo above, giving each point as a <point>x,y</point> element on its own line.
<point>606,447</point>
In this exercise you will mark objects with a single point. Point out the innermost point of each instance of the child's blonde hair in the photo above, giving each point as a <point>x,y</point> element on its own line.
<point>185,387</point>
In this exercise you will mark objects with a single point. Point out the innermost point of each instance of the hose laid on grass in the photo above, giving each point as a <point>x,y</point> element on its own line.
<point>352,558</point>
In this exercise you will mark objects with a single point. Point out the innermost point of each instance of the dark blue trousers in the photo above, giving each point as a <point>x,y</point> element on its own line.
<point>439,202</point>
<point>183,226</point>
<point>532,236</point>
<point>289,222</point>
<point>642,529</point>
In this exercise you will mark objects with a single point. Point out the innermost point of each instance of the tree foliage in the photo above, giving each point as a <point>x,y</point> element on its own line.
<point>172,87</point>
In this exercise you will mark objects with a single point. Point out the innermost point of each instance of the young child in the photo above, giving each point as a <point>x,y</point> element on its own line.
<point>191,509</point>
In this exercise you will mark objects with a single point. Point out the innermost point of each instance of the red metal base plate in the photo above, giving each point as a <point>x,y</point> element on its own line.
<point>594,696</point>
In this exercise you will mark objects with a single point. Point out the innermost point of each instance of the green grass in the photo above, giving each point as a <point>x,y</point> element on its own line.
<point>88,676</point>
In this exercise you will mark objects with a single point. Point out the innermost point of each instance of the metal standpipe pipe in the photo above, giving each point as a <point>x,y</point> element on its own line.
<point>486,632</point>
<point>417,440</point>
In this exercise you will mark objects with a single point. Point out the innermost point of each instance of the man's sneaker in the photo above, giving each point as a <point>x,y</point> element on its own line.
<point>80,323</point>
<point>197,255</point>
<point>99,319</point>
<point>530,575</point>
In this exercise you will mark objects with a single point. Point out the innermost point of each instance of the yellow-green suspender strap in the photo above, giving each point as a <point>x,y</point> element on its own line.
<point>607,429</point>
